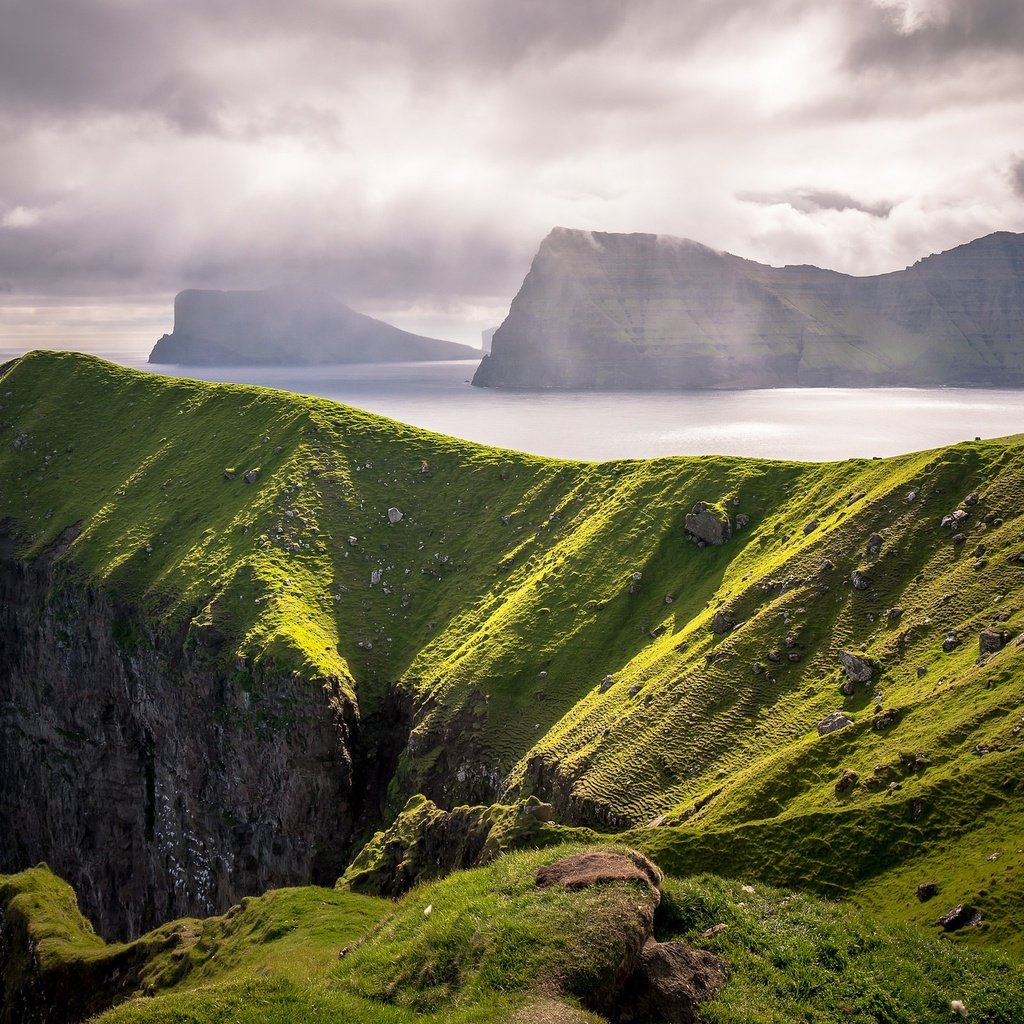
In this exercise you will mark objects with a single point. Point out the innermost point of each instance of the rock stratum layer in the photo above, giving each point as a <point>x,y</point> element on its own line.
<point>649,311</point>
<point>277,327</point>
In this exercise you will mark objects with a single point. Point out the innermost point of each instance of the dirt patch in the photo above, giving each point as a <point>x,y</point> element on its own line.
<point>582,870</point>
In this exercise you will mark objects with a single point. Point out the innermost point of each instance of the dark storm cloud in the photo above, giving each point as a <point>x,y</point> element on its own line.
<point>812,200</point>
<point>910,37</point>
<point>1016,174</point>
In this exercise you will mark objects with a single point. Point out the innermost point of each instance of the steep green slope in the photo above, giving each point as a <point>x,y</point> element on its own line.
<point>489,945</point>
<point>508,592</point>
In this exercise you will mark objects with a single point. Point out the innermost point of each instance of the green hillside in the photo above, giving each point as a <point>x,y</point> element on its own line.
<point>547,628</point>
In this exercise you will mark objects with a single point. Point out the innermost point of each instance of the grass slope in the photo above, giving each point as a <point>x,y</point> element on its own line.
<point>488,945</point>
<point>506,594</point>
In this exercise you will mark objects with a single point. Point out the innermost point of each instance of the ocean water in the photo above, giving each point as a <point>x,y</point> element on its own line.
<point>790,423</point>
<point>812,424</point>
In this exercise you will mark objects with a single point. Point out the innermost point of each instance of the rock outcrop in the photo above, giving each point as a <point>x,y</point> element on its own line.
<point>646,311</point>
<point>278,327</point>
<point>159,783</point>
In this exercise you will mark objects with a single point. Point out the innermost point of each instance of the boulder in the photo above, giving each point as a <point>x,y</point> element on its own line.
<point>394,516</point>
<point>722,621</point>
<point>671,981</point>
<point>874,545</point>
<point>811,526</point>
<point>858,670</point>
<point>885,718</point>
<point>252,476</point>
<point>742,521</point>
<point>833,722</point>
<point>926,890</point>
<point>708,523</point>
<point>860,580</point>
<point>950,642</point>
<point>847,781</point>
<point>961,916</point>
<point>992,640</point>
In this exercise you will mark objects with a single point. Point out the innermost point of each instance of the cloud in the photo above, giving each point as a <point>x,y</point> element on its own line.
<point>412,156</point>
<point>1016,175</point>
<point>813,200</point>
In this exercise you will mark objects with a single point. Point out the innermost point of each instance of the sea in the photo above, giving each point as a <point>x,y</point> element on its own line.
<point>804,424</point>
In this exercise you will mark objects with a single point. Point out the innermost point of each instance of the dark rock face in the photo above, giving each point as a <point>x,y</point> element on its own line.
<point>279,327</point>
<point>648,311</point>
<point>145,775</point>
<point>708,524</point>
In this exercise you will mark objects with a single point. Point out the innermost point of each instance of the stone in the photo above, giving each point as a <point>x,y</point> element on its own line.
<point>230,474</point>
<point>811,526</point>
<point>828,565</point>
<point>874,545</point>
<point>833,722</point>
<point>959,538</point>
<point>991,640</point>
<point>860,580</point>
<point>742,521</point>
<point>606,684</point>
<point>708,523</point>
<point>954,519</point>
<point>971,499</point>
<point>722,621</point>
<point>847,781</point>
<point>857,669</point>
<point>757,668</point>
<point>950,642</point>
<point>394,516</point>
<point>353,541</point>
<point>252,476</point>
<point>911,496</point>
<point>961,916</point>
<point>893,615</point>
<point>670,983</point>
<point>884,719</point>
<point>926,890</point>
<point>375,576</point>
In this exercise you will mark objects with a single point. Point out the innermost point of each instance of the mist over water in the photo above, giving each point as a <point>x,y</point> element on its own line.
<point>795,423</point>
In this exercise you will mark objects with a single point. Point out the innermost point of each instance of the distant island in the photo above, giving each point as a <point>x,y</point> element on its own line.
<point>643,311</point>
<point>279,327</point>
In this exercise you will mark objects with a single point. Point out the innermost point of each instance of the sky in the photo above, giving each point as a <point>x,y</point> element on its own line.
<point>410,156</point>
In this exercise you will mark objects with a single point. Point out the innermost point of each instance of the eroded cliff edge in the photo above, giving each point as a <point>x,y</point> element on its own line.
<point>160,781</point>
<point>603,310</point>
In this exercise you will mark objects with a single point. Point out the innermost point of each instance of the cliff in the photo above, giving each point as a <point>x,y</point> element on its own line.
<point>279,327</point>
<point>649,311</point>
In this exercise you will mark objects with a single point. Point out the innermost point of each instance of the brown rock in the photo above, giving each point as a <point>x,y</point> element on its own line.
<point>670,983</point>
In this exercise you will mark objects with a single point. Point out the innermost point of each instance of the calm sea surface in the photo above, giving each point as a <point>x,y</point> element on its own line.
<point>791,423</point>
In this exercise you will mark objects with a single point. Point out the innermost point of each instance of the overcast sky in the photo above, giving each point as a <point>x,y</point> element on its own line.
<point>412,154</point>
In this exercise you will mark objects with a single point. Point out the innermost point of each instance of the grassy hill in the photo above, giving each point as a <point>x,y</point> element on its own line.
<point>549,629</point>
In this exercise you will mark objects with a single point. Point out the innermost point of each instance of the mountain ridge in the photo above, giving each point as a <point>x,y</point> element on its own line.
<point>603,310</point>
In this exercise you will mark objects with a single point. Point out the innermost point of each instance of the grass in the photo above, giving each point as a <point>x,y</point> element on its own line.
<point>506,596</point>
<point>493,946</point>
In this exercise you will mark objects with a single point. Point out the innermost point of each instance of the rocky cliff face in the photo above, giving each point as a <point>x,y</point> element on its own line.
<point>648,311</point>
<point>160,783</point>
<point>278,327</point>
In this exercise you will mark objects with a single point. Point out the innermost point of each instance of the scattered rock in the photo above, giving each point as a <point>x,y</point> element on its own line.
<point>606,684</point>
<point>811,526</point>
<point>742,521</point>
<point>959,538</point>
<point>860,580</point>
<point>951,642</point>
<point>971,499</point>
<point>874,545</point>
<point>961,916</point>
<point>715,929</point>
<point>353,541</point>
<point>847,781</point>
<point>722,621</point>
<point>708,523</point>
<point>992,640</point>
<point>252,476</point>
<point>757,668</point>
<point>230,473</point>
<point>893,615</point>
<point>375,576</point>
<point>954,519</point>
<point>885,718</point>
<point>858,670</point>
<point>911,496</point>
<point>828,565</point>
<point>832,722</point>
<point>394,515</point>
